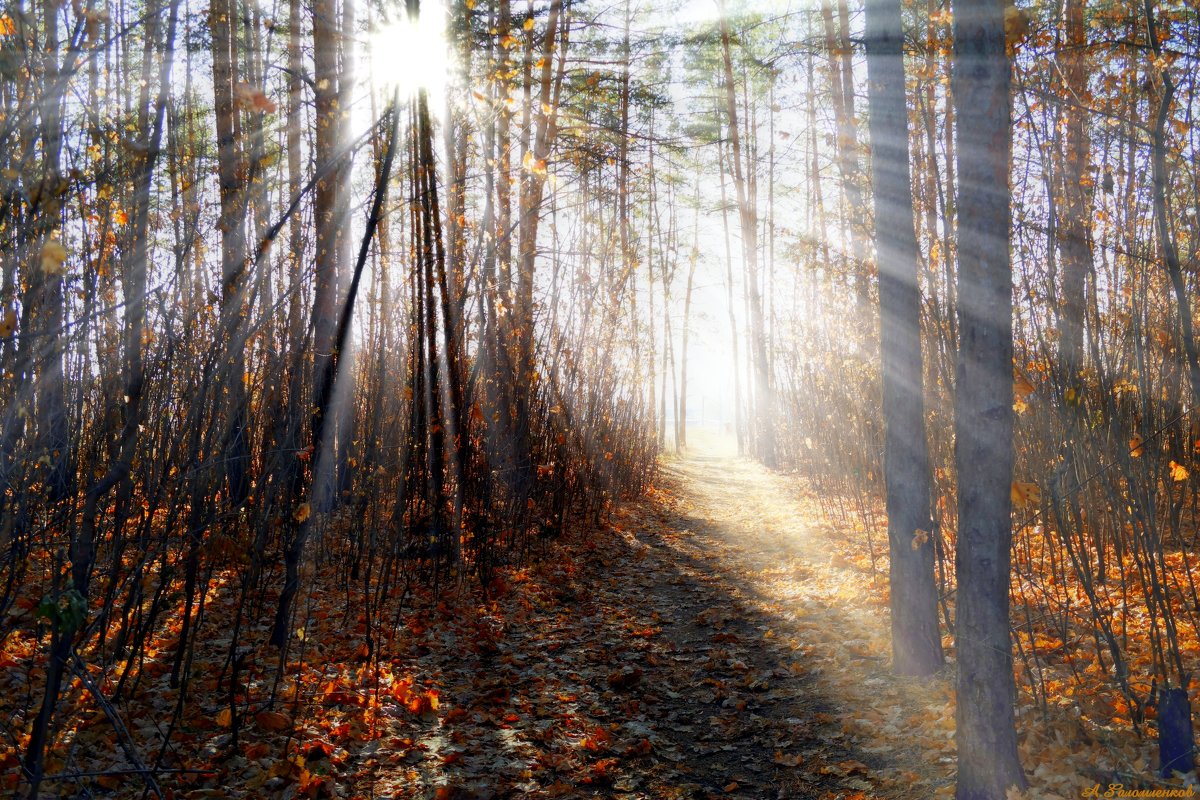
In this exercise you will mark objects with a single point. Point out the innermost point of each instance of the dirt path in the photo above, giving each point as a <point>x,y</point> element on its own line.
<point>784,637</point>
<point>704,647</point>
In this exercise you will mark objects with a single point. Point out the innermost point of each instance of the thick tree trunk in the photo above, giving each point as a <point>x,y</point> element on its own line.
<point>916,646</point>
<point>987,746</point>
<point>1176,737</point>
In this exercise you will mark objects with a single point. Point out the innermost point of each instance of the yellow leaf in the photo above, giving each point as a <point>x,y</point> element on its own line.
<point>1016,24</point>
<point>1135,445</point>
<point>1025,494</point>
<point>53,256</point>
<point>303,512</point>
<point>920,537</point>
<point>528,24</point>
<point>8,322</point>
<point>1178,472</point>
<point>535,165</point>
<point>1123,387</point>
<point>224,717</point>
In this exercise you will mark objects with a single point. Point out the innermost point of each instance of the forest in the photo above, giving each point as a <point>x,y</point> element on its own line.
<point>469,399</point>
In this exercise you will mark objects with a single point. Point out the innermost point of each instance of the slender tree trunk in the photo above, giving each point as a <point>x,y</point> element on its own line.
<point>533,182</point>
<point>343,403</point>
<point>51,395</point>
<point>693,260</point>
<point>1076,240</point>
<point>739,408</point>
<point>841,68</point>
<point>328,224</point>
<point>764,423</point>
<point>231,178</point>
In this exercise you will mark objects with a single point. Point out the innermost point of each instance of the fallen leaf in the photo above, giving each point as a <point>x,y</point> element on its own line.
<point>272,721</point>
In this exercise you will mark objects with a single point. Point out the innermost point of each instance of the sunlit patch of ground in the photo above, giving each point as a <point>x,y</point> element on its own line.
<point>818,586</point>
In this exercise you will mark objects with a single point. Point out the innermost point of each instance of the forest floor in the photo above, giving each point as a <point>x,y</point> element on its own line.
<point>712,639</point>
<point>708,643</point>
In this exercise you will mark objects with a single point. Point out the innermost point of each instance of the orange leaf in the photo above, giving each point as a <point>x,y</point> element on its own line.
<point>257,750</point>
<point>8,322</point>
<point>1135,445</point>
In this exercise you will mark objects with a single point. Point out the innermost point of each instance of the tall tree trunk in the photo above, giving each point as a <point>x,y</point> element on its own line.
<point>739,408</point>
<point>346,375</point>
<point>231,178</point>
<point>1076,240</point>
<point>328,208</point>
<point>51,385</point>
<point>1176,742</point>
<point>623,223</point>
<point>1162,223</point>
<point>693,260</point>
<point>841,69</point>
<point>916,646</point>
<point>328,223</point>
<point>533,182</point>
<point>764,422</point>
<point>987,745</point>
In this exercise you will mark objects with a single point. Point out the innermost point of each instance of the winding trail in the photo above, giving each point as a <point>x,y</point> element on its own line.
<point>705,644</point>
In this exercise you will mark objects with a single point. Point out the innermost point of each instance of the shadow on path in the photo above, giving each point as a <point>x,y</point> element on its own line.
<point>703,647</point>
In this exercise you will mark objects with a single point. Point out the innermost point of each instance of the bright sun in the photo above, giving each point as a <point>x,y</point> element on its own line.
<point>404,56</point>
